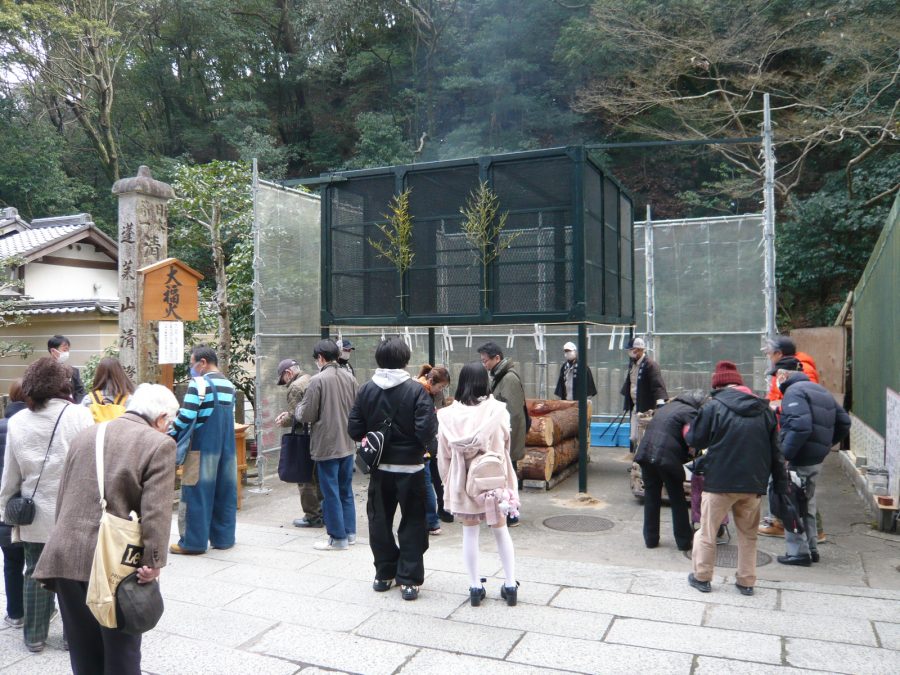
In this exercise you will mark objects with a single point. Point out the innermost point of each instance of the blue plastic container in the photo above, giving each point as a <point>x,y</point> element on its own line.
<point>611,437</point>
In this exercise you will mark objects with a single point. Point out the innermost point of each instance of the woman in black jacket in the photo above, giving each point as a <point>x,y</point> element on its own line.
<point>662,454</point>
<point>13,554</point>
<point>399,478</point>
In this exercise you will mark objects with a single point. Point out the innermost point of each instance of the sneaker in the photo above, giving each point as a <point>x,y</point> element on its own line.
<point>332,544</point>
<point>409,592</point>
<point>702,586</point>
<point>351,539</point>
<point>821,537</point>
<point>434,531</point>
<point>774,528</point>
<point>35,647</point>
<point>14,623</point>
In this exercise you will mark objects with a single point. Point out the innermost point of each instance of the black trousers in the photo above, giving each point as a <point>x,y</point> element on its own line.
<point>387,491</point>
<point>94,649</point>
<point>655,477</point>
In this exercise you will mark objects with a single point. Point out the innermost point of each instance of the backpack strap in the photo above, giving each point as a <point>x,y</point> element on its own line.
<point>96,397</point>
<point>119,399</point>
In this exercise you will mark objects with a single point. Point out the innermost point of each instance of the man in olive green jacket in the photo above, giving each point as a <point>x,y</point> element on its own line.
<point>506,386</point>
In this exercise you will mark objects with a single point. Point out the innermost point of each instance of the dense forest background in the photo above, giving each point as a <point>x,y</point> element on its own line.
<point>93,88</point>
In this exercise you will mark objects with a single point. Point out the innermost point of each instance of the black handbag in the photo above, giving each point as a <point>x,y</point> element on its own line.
<point>20,510</point>
<point>295,463</point>
<point>368,454</point>
<point>139,607</point>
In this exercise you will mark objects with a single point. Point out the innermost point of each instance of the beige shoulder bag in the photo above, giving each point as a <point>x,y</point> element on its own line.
<point>119,551</point>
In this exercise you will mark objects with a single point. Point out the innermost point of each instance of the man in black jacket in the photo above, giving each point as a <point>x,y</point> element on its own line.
<point>741,435</point>
<point>811,423</point>
<point>644,388</point>
<point>662,454</point>
<point>567,384</point>
<point>399,478</point>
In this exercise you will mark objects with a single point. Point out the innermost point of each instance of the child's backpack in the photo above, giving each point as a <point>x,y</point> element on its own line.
<point>486,472</point>
<point>104,412</point>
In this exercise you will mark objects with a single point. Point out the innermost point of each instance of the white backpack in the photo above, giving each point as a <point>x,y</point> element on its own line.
<point>486,472</point>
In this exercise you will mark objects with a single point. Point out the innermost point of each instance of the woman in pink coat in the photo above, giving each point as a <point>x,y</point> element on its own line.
<point>480,483</point>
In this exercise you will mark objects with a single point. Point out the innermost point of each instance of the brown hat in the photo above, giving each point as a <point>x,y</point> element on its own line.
<point>726,373</point>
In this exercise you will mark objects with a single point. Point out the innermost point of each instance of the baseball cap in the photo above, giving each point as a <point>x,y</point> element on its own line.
<point>570,347</point>
<point>346,346</point>
<point>283,366</point>
<point>636,343</point>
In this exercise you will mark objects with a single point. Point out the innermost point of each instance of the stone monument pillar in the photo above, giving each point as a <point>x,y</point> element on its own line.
<point>143,218</point>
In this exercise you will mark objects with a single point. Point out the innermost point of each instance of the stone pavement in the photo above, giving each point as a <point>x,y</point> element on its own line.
<point>589,602</point>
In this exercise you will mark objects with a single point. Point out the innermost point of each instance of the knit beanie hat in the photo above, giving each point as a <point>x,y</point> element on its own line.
<point>726,373</point>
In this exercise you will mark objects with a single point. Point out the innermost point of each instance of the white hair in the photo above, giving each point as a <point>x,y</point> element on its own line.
<point>153,400</point>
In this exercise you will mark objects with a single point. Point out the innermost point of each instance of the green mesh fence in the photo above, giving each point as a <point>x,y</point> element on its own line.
<point>876,327</point>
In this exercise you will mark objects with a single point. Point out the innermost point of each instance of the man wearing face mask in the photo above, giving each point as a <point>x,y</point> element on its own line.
<point>568,375</point>
<point>644,388</point>
<point>204,430</point>
<point>59,346</point>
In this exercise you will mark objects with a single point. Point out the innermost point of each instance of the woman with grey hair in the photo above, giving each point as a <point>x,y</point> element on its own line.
<point>139,476</point>
<point>37,441</point>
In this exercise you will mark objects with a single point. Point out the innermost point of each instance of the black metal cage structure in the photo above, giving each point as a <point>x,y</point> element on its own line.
<point>571,261</point>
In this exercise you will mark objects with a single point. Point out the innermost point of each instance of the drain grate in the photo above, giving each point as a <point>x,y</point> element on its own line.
<point>727,554</point>
<point>578,523</point>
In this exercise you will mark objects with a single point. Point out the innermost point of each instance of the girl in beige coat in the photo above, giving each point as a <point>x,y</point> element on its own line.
<point>477,424</point>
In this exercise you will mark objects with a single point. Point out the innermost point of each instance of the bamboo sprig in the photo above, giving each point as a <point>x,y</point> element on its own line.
<point>398,232</point>
<point>483,228</point>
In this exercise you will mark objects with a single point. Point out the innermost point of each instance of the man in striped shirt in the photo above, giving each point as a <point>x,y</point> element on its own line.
<point>204,429</point>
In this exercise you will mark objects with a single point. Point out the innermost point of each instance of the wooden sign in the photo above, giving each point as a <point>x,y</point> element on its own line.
<point>170,291</point>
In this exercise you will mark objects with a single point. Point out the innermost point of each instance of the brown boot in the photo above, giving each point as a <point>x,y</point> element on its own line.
<point>771,527</point>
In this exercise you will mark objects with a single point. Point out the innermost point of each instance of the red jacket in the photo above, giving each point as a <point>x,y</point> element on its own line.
<point>807,363</point>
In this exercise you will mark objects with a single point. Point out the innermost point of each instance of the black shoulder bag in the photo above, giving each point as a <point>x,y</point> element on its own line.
<point>20,510</point>
<point>369,452</point>
<point>295,464</point>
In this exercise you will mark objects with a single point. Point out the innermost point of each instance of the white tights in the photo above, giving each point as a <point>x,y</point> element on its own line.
<point>504,548</point>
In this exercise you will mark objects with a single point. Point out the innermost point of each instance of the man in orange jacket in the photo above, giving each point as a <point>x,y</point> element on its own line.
<point>780,350</point>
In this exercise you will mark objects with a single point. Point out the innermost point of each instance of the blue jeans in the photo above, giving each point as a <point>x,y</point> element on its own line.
<point>431,514</point>
<point>338,508</point>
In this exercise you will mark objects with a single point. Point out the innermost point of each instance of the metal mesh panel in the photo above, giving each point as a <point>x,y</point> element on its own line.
<point>708,295</point>
<point>876,325</point>
<point>287,294</point>
<point>444,274</point>
<point>535,272</point>
<point>363,283</point>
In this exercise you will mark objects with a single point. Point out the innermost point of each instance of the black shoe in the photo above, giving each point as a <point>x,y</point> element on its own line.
<point>801,560</point>
<point>445,516</point>
<point>745,590</point>
<point>702,586</point>
<point>512,521</point>
<point>308,522</point>
<point>476,595</point>
<point>686,547</point>
<point>510,594</point>
<point>814,556</point>
<point>651,544</point>
<point>409,592</point>
<point>382,585</point>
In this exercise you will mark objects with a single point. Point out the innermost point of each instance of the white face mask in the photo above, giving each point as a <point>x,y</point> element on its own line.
<point>571,356</point>
<point>62,357</point>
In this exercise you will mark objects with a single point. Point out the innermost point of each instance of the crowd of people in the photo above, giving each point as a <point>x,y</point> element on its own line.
<point>442,458</point>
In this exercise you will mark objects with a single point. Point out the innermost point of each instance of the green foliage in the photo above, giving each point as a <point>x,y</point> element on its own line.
<point>397,247</point>
<point>483,226</point>
<point>825,240</point>
<point>380,142</point>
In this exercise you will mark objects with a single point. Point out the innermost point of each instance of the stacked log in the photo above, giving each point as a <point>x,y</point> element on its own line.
<point>552,441</point>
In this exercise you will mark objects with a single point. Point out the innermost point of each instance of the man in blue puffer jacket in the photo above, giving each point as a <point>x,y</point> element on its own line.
<point>811,423</point>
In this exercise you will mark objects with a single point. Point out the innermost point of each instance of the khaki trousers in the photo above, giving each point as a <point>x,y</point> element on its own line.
<point>745,511</point>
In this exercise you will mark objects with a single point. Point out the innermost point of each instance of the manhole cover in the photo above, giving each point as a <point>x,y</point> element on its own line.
<point>727,554</point>
<point>578,523</point>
